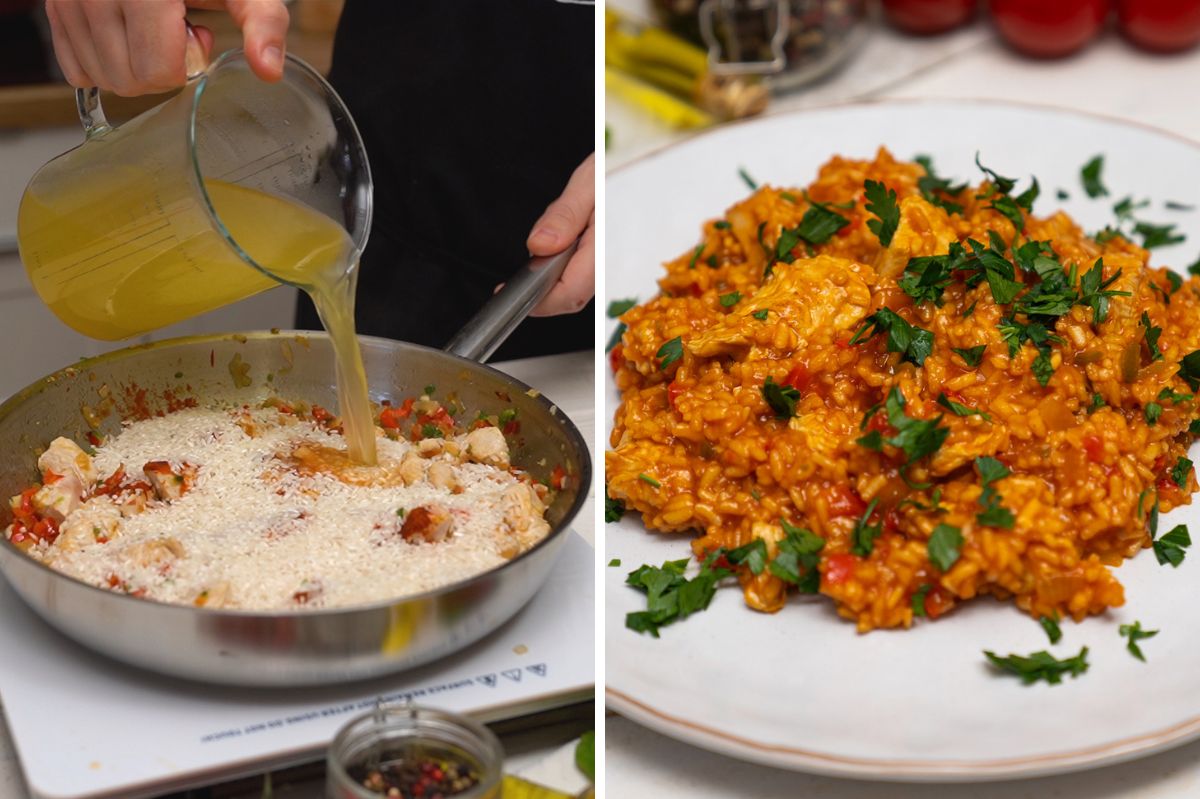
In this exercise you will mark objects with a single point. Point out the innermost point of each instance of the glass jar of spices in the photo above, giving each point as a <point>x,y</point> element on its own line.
<point>403,752</point>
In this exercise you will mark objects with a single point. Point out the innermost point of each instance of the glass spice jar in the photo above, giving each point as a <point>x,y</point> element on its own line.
<point>407,751</point>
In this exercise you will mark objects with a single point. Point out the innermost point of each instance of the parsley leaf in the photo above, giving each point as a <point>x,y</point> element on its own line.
<point>1040,666</point>
<point>1180,471</point>
<point>918,599</point>
<point>760,315</point>
<point>1025,199</point>
<point>972,356</point>
<point>788,239</point>
<point>1042,368</point>
<point>670,352</point>
<point>1062,194</point>
<point>1050,625</point>
<point>1094,291</point>
<point>944,545</point>
<point>754,555</point>
<point>959,409</point>
<point>915,437</point>
<point>1097,403</point>
<point>1189,370</point>
<point>1001,185</point>
<point>1194,427</point>
<point>930,184</point>
<point>863,535</point>
<point>1126,206</point>
<point>1008,207</point>
<point>731,299</point>
<point>615,562</point>
<point>1157,235</point>
<point>1174,396</point>
<point>1152,412</point>
<point>1170,547</point>
<point>618,307</point>
<point>819,223</point>
<point>993,515</point>
<point>781,398</point>
<point>614,509</point>
<point>916,343</point>
<point>696,256</point>
<point>997,269</point>
<point>749,181</point>
<point>721,224</point>
<point>616,337</point>
<point>1135,633</point>
<point>797,557</point>
<point>671,597</point>
<point>1090,176</point>
<point>881,201</point>
<point>1151,335</point>
<point>925,278</point>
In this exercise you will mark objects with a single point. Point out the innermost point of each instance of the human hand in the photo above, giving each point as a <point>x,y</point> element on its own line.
<point>134,47</point>
<point>571,216</point>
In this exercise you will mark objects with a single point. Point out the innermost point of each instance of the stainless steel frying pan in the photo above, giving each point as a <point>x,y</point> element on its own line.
<point>304,646</point>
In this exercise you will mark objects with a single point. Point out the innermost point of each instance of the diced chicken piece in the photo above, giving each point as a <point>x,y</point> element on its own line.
<point>428,524</point>
<point>55,500</point>
<point>157,553</point>
<point>924,230</point>
<point>99,523</point>
<point>441,475</point>
<point>430,447</point>
<point>412,468</point>
<point>64,458</point>
<point>487,445</point>
<point>247,423</point>
<point>169,483</point>
<point>523,522</point>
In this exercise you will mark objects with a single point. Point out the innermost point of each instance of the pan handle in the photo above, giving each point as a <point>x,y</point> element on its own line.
<point>488,329</point>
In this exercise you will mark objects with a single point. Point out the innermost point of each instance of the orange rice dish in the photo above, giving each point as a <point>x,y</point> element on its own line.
<point>911,431</point>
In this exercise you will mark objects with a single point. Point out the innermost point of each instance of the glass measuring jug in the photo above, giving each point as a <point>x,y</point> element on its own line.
<point>227,189</point>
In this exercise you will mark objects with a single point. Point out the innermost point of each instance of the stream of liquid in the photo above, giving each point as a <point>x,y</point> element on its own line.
<point>112,269</point>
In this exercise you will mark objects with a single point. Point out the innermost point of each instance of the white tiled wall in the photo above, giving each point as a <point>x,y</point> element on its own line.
<point>32,340</point>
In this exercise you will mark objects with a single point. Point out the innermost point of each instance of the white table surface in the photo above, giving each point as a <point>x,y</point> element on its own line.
<point>1110,78</point>
<point>568,380</point>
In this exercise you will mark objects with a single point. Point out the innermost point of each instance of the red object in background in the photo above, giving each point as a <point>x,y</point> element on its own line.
<point>924,17</point>
<point>1049,28</point>
<point>1164,26</point>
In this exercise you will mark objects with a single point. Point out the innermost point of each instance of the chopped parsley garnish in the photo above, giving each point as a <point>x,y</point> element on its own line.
<point>648,480</point>
<point>819,223</point>
<point>1157,235</point>
<point>1189,370</point>
<point>970,309</point>
<point>1194,267</point>
<point>1008,207</point>
<point>1097,403</point>
<point>1062,194</point>
<point>995,268</point>
<point>1094,291</point>
<point>760,315</point>
<point>993,514</point>
<point>1135,633</point>
<point>944,546</point>
<point>721,224</point>
<point>781,398</point>
<point>881,201</point>
<point>930,184</point>
<point>1025,199</point>
<point>1000,184</point>
<point>1170,547</point>
<point>615,562</point>
<point>1175,281</point>
<point>731,299</point>
<point>1108,234</point>
<point>432,431</point>
<point>1180,471</point>
<point>1174,396</point>
<point>1194,427</point>
<point>671,597</point>
<point>1126,206</point>
<point>959,409</point>
<point>711,261</point>
<point>916,438</point>
<point>863,535</point>
<point>796,558</point>
<point>430,390</point>
<point>754,555</point>
<point>1040,666</point>
<point>670,352</point>
<point>915,343</point>
<point>788,239</point>
<point>918,599</point>
<point>1173,205</point>
<point>614,509</point>
<point>1152,411</point>
<point>1151,336</point>
<point>618,307</point>
<point>749,181</point>
<point>616,337</point>
<point>925,278</point>
<point>972,356</point>
<point>1050,625</point>
<point>695,256</point>
<point>1090,176</point>
<point>1042,368</point>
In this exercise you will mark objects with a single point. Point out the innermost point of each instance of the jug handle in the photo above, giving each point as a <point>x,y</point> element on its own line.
<point>87,101</point>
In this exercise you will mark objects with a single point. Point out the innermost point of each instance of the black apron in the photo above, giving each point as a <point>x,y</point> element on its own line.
<point>474,114</point>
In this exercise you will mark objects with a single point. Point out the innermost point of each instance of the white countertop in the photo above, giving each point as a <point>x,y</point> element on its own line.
<point>568,380</point>
<point>1109,78</point>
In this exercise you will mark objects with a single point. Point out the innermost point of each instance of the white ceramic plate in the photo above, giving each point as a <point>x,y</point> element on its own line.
<point>800,689</point>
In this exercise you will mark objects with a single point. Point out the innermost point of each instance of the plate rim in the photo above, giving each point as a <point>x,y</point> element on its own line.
<point>740,747</point>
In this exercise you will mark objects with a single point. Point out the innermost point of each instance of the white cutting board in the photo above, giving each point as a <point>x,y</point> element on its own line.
<point>87,727</point>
